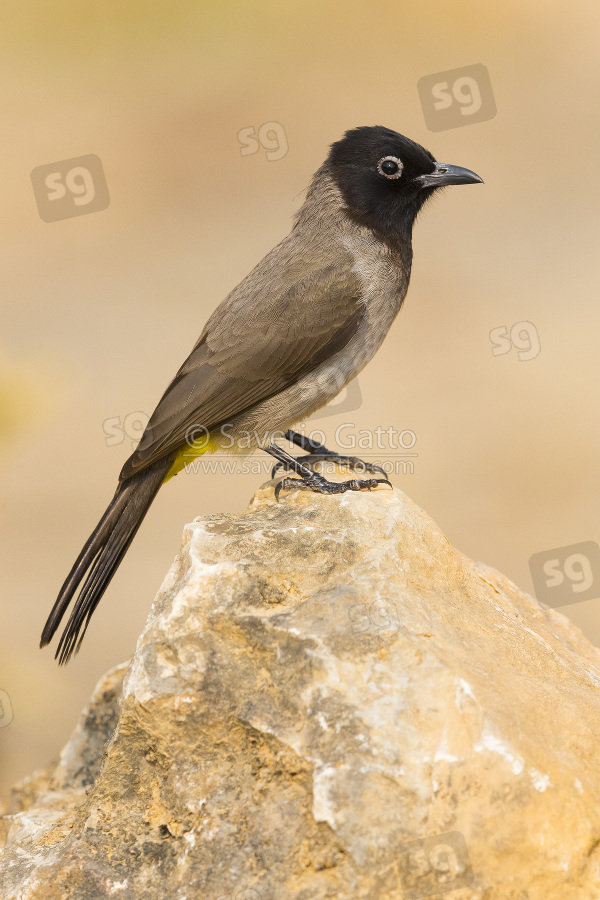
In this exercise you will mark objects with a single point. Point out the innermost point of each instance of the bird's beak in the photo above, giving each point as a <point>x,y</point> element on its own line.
<point>444,174</point>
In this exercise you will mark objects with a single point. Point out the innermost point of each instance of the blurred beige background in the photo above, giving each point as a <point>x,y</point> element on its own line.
<point>98,311</point>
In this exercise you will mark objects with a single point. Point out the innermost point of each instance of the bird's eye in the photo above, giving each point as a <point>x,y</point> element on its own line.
<point>390,167</point>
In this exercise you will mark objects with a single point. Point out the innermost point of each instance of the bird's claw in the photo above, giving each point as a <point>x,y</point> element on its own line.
<point>320,485</point>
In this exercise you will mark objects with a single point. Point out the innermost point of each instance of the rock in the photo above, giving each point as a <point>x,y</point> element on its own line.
<point>328,701</point>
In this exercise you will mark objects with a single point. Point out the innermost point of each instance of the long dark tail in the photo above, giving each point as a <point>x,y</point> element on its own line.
<point>101,556</point>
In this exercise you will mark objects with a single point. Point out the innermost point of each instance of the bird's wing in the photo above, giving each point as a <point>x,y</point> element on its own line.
<point>255,345</point>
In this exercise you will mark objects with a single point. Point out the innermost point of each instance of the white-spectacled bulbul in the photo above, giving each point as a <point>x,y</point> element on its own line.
<point>284,343</point>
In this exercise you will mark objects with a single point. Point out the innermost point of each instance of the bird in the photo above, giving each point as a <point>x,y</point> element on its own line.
<point>283,343</point>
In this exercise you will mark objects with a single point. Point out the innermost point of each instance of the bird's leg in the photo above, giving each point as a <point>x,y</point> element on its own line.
<point>312,481</point>
<point>318,452</point>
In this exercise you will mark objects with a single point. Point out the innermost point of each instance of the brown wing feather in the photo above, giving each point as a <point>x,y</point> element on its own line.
<point>253,347</point>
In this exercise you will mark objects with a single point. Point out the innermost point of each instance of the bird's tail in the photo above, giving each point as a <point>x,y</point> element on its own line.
<point>101,556</point>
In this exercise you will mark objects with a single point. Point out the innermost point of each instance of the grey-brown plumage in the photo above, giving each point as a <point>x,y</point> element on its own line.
<point>284,342</point>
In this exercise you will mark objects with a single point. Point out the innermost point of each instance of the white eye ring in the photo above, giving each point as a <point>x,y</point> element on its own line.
<point>394,159</point>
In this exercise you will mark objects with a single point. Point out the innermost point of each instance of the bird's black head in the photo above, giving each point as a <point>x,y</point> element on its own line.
<point>385,178</point>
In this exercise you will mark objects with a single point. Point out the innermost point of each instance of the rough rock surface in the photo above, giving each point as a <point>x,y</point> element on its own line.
<point>322,684</point>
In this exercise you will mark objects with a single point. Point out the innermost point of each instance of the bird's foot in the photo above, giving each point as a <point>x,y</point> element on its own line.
<point>320,485</point>
<point>352,462</point>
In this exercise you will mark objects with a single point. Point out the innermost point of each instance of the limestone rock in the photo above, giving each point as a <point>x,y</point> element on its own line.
<point>328,701</point>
